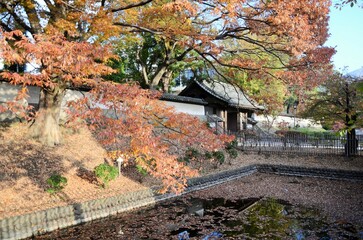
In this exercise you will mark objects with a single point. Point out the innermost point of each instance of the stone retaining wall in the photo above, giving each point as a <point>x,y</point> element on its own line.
<point>23,226</point>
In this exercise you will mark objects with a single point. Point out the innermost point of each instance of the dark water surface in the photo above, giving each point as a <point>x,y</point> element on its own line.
<point>218,218</point>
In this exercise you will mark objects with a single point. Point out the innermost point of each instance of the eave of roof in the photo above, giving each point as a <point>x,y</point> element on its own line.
<point>251,106</point>
<point>182,99</point>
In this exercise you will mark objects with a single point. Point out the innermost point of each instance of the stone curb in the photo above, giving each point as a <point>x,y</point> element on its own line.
<point>311,172</point>
<point>35,223</point>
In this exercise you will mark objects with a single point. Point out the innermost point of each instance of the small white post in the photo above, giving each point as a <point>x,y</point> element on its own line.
<point>119,160</point>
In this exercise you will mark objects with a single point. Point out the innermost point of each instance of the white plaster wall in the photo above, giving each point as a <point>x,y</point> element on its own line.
<point>70,95</point>
<point>302,122</point>
<point>74,95</point>
<point>8,92</point>
<point>189,108</point>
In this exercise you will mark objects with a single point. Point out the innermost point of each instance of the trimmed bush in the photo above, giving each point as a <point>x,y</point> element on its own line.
<point>233,153</point>
<point>141,170</point>
<point>208,155</point>
<point>56,183</point>
<point>106,173</point>
<point>219,156</point>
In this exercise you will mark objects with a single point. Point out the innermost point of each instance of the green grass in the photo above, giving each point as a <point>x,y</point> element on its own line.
<point>316,132</point>
<point>311,130</point>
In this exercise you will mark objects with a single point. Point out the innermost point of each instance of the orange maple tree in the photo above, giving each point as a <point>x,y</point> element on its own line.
<point>128,121</point>
<point>133,124</point>
<point>66,42</point>
<point>59,64</point>
<point>263,39</point>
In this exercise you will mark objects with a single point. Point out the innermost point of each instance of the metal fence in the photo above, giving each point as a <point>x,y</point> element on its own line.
<point>306,145</point>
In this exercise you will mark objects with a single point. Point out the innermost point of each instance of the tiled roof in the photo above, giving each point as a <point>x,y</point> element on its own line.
<point>233,95</point>
<point>182,99</point>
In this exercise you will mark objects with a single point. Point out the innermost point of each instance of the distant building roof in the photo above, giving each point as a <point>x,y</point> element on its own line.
<point>358,74</point>
<point>228,93</point>
<point>182,99</point>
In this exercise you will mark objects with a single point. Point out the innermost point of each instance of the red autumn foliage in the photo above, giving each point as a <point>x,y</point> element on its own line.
<point>59,64</point>
<point>262,39</point>
<point>132,123</point>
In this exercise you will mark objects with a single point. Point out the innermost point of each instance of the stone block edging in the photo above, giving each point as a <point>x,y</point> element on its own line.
<point>24,226</point>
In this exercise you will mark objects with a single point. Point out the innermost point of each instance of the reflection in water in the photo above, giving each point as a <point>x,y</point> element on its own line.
<point>218,218</point>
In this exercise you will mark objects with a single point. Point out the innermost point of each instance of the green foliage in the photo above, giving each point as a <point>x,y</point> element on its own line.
<point>273,101</point>
<point>190,154</point>
<point>119,65</point>
<point>208,155</point>
<point>306,133</point>
<point>232,144</point>
<point>56,183</point>
<point>336,104</point>
<point>360,87</point>
<point>193,153</point>
<point>231,149</point>
<point>106,173</point>
<point>233,153</point>
<point>315,132</point>
<point>147,55</point>
<point>219,156</point>
<point>141,170</point>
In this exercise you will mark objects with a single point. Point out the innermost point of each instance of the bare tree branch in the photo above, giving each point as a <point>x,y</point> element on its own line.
<point>21,22</point>
<point>142,29</point>
<point>133,5</point>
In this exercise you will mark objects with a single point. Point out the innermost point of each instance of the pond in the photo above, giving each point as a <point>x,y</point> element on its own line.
<point>217,218</point>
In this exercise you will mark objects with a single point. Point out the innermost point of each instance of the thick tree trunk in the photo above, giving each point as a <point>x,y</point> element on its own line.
<point>157,78</point>
<point>166,79</point>
<point>46,126</point>
<point>351,147</point>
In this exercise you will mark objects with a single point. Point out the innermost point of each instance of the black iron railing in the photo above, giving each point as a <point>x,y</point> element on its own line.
<point>308,145</point>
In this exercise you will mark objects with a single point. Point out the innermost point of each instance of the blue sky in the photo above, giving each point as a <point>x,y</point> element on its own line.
<point>346,34</point>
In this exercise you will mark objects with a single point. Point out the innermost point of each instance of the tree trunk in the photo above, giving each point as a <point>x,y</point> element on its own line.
<point>351,147</point>
<point>166,79</point>
<point>46,126</point>
<point>157,78</point>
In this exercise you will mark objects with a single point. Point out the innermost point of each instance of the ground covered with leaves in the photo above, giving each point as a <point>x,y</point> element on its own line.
<point>26,165</point>
<point>260,206</point>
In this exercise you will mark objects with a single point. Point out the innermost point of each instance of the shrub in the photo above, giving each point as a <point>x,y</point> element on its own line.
<point>231,149</point>
<point>208,155</point>
<point>56,183</point>
<point>141,170</point>
<point>232,144</point>
<point>106,173</point>
<point>190,155</point>
<point>219,156</point>
<point>233,153</point>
